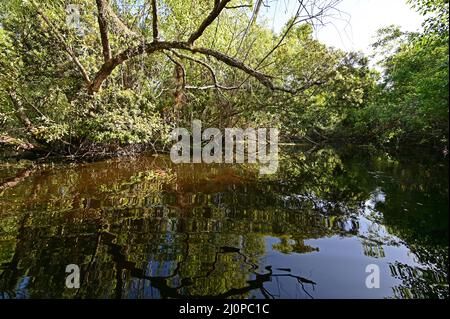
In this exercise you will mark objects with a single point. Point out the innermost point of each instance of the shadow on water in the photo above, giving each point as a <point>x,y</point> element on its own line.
<point>145,228</point>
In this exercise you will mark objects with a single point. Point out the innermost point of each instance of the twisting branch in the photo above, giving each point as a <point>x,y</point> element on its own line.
<point>148,48</point>
<point>155,20</point>
<point>103,26</point>
<point>152,47</point>
<point>219,5</point>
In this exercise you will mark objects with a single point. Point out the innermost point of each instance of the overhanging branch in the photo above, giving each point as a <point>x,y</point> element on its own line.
<point>152,47</point>
<point>216,85</point>
<point>149,48</point>
<point>219,5</point>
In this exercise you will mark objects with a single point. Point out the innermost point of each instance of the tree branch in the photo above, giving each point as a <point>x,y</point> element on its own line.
<point>155,21</point>
<point>103,26</point>
<point>23,117</point>
<point>219,5</point>
<point>250,23</point>
<point>20,111</point>
<point>238,6</point>
<point>107,15</point>
<point>216,85</point>
<point>261,77</point>
<point>152,47</point>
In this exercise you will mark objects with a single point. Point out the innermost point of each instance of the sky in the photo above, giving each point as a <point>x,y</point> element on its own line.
<point>354,26</point>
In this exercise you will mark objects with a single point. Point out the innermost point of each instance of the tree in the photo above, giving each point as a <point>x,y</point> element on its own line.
<point>54,75</point>
<point>411,102</point>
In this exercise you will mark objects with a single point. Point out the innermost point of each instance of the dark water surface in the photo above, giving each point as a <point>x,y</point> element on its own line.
<point>145,228</point>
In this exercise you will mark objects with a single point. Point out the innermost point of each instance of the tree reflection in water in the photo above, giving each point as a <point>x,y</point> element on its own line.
<point>144,228</point>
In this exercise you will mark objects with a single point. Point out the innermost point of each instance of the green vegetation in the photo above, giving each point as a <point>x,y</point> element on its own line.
<point>131,70</point>
<point>410,104</point>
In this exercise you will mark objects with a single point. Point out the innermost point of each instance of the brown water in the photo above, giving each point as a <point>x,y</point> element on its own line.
<point>146,228</point>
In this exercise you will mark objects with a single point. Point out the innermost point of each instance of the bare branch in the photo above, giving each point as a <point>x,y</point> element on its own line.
<point>216,85</point>
<point>250,23</point>
<point>291,24</point>
<point>264,79</point>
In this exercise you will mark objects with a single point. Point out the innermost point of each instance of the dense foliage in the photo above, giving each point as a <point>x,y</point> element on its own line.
<point>410,104</point>
<point>127,73</point>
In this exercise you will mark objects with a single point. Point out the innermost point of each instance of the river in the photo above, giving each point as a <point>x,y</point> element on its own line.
<point>142,227</point>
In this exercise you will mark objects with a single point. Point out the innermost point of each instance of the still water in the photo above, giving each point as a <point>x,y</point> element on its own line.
<point>145,228</point>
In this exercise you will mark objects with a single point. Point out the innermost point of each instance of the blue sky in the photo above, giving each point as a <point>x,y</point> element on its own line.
<point>355,26</point>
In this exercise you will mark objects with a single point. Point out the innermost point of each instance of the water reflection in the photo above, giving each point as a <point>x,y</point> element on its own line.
<point>144,228</point>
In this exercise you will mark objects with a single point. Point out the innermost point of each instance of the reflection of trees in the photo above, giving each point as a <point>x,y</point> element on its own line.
<point>183,288</point>
<point>141,228</point>
<point>168,232</point>
<point>112,263</point>
<point>415,211</point>
<point>419,282</point>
